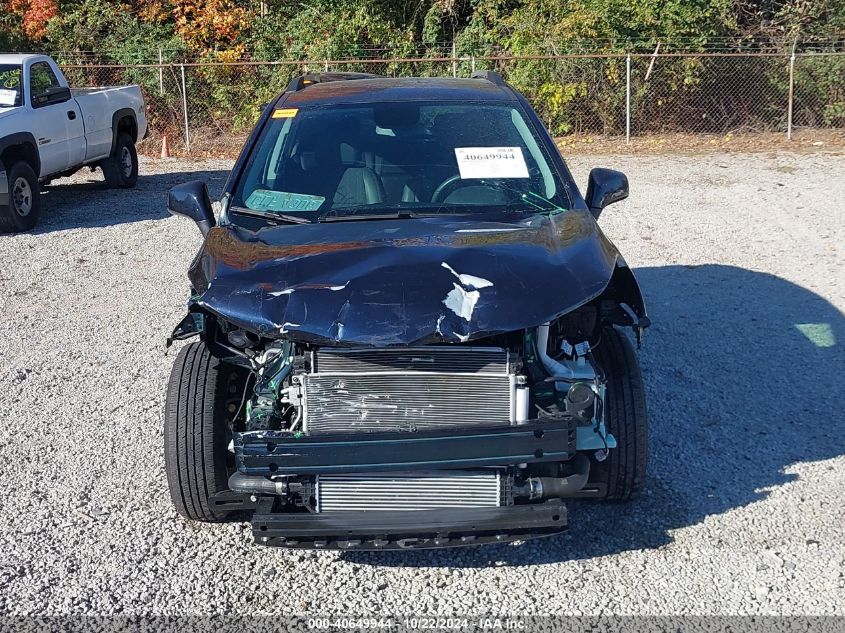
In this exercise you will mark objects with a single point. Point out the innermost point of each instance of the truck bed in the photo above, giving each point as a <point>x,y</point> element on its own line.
<point>83,92</point>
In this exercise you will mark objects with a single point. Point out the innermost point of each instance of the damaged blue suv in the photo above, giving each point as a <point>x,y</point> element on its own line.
<point>410,327</point>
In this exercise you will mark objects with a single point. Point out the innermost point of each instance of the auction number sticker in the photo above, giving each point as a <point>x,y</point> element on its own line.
<point>491,162</point>
<point>8,97</point>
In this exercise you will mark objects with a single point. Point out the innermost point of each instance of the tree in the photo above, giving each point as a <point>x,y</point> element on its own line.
<point>112,30</point>
<point>34,15</point>
<point>211,27</point>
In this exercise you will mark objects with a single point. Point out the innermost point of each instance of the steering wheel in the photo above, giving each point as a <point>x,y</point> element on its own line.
<point>447,187</point>
<point>453,183</point>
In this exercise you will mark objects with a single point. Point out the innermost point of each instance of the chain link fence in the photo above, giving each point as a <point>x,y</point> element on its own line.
<point>210,108</point>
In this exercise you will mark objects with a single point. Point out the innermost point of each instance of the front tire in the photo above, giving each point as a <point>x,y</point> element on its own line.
<point>24,208</point>
<point>626,417</point>
<point>121,168</point>
<point>197,431</point>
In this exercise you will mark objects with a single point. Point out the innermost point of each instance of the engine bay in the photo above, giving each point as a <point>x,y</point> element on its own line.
<point>437,394</point>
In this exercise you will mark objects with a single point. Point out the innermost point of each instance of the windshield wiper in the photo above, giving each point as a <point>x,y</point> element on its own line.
<point>281,218</point>
<point>355,217</point>
<point>542,204</point>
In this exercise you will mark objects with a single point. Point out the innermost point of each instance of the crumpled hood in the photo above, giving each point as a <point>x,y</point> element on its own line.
<point>402,282</point>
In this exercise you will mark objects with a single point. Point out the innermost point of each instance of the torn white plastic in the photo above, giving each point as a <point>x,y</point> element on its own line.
<point>462,298</point>
<point>462,302</point>
<point>468,280</point>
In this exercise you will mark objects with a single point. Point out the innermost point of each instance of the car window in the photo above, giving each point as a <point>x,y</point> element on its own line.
<point>41,79</point>
<point>10,85</point>
<point>383,157</point>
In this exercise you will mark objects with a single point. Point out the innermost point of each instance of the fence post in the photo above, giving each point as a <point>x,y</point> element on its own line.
<point>327,65</point>
<point>185,112</point>
<point>628,99</point>
<point>473,63</point>
<point>160,73</point>
<point>454,59</point>
<point>791,91</point>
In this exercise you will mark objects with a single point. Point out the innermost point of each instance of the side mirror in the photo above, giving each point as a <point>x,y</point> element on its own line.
<point>51,96</point>
<point>605,187</point>
<point>191,201</point>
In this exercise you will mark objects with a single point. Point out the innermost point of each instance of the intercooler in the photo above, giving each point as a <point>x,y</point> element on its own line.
<point>407,389</point>
<point>409,491</point>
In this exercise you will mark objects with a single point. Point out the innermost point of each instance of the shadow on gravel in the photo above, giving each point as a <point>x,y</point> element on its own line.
<point>744,372</point>
<point>92,204</point>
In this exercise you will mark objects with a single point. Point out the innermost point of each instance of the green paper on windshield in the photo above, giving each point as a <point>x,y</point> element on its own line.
<point>265,200</point>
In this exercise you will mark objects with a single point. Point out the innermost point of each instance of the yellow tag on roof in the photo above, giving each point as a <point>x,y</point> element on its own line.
<point>285,113</point>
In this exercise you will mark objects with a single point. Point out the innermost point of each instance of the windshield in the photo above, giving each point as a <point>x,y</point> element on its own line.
<point>10,85</point>
<point>405,158</point>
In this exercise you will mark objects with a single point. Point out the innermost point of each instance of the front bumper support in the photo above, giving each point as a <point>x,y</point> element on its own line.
<point>413,529</point>
<point>279,453</point>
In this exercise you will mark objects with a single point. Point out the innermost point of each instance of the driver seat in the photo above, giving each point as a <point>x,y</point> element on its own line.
<point>357,186</point>
<point>359,183</point>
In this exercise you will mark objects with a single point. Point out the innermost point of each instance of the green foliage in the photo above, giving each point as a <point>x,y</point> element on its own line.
<point>12,37</point>
<point>571,94</point>
<point>612,24</point>
<point>558,99</point>
<point>820,98</point>
<point>133,30</point>
<point>113,31</point>
<point>329,29</point>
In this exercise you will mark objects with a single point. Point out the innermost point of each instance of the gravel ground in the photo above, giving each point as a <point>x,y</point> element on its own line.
<point>741,259</point>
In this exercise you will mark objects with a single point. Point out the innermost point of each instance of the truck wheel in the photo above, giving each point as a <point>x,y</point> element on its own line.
<point>24,206</point>
<point>121,168</point>
<point>626,417</point>
<point>197,418</point>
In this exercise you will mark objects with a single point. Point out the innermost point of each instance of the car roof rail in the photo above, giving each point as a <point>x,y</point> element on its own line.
<point>303,81</point>
<point>490,75</point>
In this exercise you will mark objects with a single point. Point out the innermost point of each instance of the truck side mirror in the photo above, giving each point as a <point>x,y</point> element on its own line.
<point>51,96</point>
<point>605,186</point>
<point>191,201</point>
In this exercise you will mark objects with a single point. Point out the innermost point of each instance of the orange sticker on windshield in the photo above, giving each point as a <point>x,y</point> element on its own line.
<point>285,113</point>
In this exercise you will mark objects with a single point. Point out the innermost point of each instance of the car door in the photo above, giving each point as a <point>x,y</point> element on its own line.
<point>58,125</point>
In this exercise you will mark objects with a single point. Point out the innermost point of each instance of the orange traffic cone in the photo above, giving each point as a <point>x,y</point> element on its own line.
<point>165,147</point>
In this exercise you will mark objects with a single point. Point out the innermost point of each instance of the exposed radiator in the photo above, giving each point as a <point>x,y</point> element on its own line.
<point>409,491</point>
<point>407,389</point>
<point>461,360</point>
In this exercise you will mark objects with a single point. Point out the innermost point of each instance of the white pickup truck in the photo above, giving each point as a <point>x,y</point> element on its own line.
<point>48,130</point>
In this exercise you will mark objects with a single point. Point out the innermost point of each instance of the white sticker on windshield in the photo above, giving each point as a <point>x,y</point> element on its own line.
<point>491,162</point>
<point>8,97</point>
